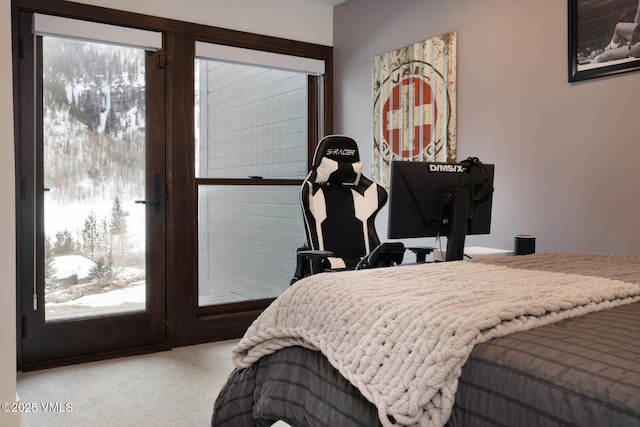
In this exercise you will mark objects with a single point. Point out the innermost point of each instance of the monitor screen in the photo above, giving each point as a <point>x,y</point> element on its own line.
<point>428,199</point>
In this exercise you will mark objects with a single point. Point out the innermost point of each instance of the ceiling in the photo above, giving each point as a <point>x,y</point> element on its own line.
<point>328,2</point>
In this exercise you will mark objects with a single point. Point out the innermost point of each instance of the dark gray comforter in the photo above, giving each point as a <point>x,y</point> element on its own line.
<point>582,372</point>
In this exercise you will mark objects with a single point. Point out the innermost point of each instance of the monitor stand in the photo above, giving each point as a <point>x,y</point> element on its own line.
<point>457,226</point>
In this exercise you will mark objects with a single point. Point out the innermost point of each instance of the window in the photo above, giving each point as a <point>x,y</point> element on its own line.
<point>222,219</point>
<point>252,121</point>
<point>252,148</point>
<point>94,144</point>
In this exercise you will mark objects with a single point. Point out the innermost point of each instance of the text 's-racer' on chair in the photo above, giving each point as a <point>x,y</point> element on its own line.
<point>339,206</point>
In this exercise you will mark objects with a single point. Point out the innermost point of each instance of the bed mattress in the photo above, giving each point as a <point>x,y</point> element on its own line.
<point>577,372</point>
<point>538,358</point>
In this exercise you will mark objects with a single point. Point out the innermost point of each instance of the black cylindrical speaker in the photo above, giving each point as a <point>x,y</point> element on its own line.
<point>525,244</point>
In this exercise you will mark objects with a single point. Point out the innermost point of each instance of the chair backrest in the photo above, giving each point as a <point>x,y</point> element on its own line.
<point>339,204</point>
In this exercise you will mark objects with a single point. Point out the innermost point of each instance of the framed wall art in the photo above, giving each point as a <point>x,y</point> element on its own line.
<point>604,38</point>
<point>414,105</point>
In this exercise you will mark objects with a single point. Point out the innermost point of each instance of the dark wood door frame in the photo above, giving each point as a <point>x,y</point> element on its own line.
<point>186,323</point>
<point>44,344</point>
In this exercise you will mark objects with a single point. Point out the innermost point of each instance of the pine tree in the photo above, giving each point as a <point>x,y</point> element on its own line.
<point>118,225</point>
<point>90,235</point>
<point>103,270</point>
<point>49,271</point>
<point>64,244</point>
<point>104,240</point>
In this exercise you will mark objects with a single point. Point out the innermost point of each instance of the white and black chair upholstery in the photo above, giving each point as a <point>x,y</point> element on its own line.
<point>339,207</point>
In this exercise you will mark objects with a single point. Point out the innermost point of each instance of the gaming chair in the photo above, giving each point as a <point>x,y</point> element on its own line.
<point>339,207</point>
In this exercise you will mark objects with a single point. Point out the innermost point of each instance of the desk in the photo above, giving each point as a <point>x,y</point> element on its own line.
<point>474,252</point>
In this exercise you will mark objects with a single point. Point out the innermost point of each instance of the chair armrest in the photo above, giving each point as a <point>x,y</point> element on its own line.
<point>314,254</point>
<point>309,262</point>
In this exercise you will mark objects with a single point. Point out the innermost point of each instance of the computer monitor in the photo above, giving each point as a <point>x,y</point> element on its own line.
<point>429,199</point>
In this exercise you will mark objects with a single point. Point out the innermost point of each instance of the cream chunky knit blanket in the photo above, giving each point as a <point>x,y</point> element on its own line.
<point>402,334</point>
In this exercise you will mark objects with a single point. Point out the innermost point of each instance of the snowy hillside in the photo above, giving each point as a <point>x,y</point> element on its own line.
<point>94,165</point>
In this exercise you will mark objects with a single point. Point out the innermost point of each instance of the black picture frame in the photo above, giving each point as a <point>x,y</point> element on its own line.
<point>591,27</point>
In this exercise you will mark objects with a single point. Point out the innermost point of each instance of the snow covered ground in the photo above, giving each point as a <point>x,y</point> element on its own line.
<point>133,294</point>
<point>68,265</point>
<point>131,297</point>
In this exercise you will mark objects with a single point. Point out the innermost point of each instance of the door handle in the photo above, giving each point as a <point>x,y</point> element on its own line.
<point>157,194</point>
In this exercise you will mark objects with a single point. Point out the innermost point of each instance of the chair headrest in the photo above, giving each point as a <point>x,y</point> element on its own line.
<point>336,160</point>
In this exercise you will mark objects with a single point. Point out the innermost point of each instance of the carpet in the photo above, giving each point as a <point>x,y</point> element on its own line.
<point>170,388</point>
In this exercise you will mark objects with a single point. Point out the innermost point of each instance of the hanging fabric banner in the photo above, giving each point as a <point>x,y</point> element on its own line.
<point>414,108</point>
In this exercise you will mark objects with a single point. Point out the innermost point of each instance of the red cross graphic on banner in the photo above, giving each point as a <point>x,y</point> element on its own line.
<point>407,128</point>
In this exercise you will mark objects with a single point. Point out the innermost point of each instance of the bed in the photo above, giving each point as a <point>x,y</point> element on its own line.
<point>536,340</point>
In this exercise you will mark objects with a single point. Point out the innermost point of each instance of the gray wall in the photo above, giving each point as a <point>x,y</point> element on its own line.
<point>566,154</point>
